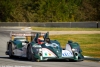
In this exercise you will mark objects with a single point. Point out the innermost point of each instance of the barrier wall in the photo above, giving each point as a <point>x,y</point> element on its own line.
<point>52,24</point>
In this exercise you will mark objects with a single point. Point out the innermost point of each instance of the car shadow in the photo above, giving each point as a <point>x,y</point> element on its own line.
<point>16,58</point>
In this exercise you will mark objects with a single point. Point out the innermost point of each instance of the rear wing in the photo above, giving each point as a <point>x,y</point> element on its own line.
<point>17,33</point>
<point>29,35</point>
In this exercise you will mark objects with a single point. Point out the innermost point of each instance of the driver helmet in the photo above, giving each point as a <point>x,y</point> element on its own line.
<point>40,40</point>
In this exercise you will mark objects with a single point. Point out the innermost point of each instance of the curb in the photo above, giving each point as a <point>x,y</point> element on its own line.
<point>91,58</point>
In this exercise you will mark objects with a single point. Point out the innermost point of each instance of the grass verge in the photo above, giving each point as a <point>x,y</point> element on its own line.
<point>89,43</point>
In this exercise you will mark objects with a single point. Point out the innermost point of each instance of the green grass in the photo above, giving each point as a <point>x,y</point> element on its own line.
<point>64,29</point>
<point>90,43</point>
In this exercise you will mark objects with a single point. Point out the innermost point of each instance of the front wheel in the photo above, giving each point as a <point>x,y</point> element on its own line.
<point>30,55</point>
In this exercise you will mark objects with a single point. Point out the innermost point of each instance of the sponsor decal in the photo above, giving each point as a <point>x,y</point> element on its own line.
<point>49,54</point>
<point>45,54</point>
<point>52,45</point>
<point>66,54</point>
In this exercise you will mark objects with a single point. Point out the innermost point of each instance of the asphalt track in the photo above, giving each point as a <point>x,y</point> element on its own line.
<point>22,62</point>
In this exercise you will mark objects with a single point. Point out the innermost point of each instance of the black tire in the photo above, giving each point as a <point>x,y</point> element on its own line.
<point>10,51</point>
<point>30,55</point>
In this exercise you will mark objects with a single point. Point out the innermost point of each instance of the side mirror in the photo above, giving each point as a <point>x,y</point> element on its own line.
<point>70,41</point>
<point>26,41</point>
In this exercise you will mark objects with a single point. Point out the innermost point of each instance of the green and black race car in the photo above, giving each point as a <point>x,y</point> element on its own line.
<point>41,48</point>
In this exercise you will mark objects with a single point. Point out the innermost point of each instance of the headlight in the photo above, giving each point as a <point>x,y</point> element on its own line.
<point>74,49</point>
<point>40,50</point>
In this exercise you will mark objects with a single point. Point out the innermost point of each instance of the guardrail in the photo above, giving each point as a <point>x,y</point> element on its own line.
<point>52,24</point>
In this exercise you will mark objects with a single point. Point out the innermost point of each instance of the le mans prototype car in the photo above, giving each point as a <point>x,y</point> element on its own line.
<point>37,46</point>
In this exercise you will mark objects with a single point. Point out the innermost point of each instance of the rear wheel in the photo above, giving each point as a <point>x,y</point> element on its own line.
<point>10,51</point>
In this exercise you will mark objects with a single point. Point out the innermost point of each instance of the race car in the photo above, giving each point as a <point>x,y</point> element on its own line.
<point>41,48</point>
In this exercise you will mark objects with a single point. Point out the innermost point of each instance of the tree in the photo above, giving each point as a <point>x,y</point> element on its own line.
<point>6,8</point>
